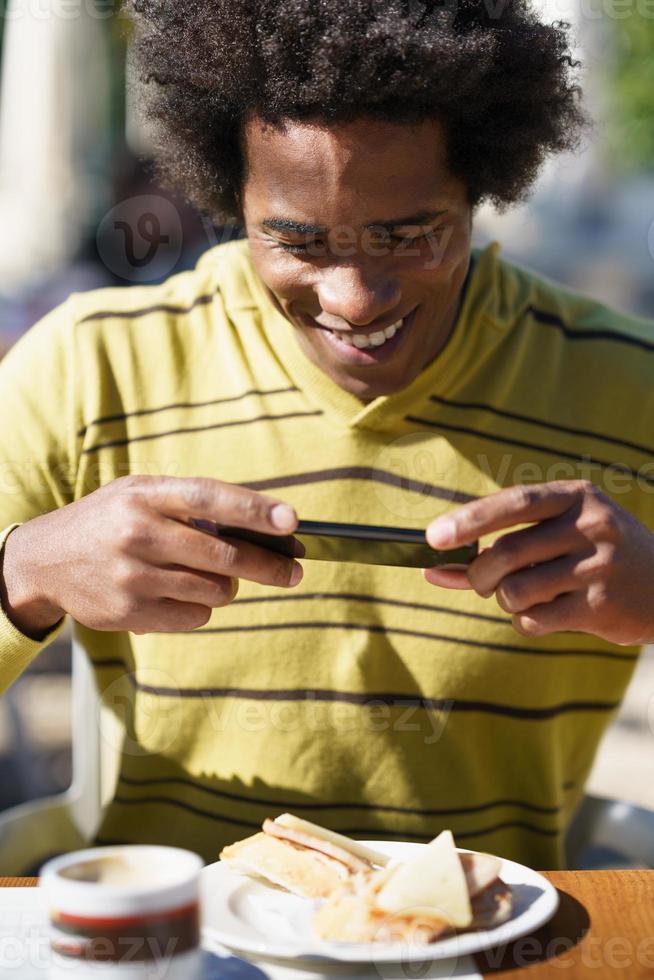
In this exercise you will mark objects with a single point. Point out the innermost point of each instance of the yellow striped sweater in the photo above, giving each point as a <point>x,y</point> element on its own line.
<point>365,699</point>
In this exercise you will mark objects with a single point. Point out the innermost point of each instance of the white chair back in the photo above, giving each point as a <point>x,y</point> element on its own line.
<point>32,832</point>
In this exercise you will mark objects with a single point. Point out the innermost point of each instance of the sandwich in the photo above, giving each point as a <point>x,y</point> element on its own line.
<point>365,896</point>
<point>301,857</point>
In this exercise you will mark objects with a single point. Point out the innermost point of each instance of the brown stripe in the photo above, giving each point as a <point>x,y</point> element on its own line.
<point>355,597</point>
<point>349,831</point>
<point>552,320</point>
<point>197,428</point>
<point>166,408</point>
<point>373,699</point>
<point>288,805</point>
<point>92,923</point>
<point>530,420</point>
<point>521,444</point>
<point>147,310</point>
<point>130,801</point>
<point>459,834</point>
<point>376,600</point>
<point>361,473</point>
<point>387,630</point>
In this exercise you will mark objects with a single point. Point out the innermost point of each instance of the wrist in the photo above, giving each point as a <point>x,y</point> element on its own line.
<point>22,600</point>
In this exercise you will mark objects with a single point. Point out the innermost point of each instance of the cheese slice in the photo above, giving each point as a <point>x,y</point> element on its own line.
<point>353,846</point>
<point>433,880</point>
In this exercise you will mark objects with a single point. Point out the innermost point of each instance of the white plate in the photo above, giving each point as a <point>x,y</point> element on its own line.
<point>247,916</point>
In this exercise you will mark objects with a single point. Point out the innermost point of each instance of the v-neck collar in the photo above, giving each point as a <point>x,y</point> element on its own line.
<point>345,408</point>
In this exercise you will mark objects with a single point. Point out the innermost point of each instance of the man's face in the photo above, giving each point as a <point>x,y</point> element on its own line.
<point>362,238</point>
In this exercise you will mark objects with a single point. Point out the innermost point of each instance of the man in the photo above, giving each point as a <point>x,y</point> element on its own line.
<point>352,360</point>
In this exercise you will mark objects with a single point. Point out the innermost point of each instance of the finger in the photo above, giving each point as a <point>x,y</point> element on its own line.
<point>163,543</point>
<point>287,544</point>
<point>540,584</point>
<point>257,564</point>
<point>446,579</point>
<point>225,503</point>
<point>231,557</point>
<point>200,588</point>
<point>506,508</point>
<point>564,614</point>
<point>169,616</point>
<point>520,549</point>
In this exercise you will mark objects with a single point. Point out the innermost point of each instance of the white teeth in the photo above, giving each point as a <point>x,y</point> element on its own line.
<point>363,340</point>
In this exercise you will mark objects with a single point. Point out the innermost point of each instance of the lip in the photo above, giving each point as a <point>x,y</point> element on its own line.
<point>372,356</point>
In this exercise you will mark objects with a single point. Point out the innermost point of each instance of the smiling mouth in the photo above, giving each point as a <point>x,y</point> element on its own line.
<point>367,341</point>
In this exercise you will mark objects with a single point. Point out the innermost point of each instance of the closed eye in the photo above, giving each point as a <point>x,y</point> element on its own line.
<point>416,238</point>
<point>415,233</point>
<point>318,247</point>
<point>315,247</point>
<point>296,249</point>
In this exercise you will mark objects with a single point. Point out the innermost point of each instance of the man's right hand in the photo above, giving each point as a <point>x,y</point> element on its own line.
<point>125,557</point>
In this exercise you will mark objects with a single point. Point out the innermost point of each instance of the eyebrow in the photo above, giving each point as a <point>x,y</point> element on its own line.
<point>300,228</point>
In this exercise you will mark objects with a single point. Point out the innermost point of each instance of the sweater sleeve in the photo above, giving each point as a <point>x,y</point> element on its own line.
<point>17,650</point>
<point>38,457</point>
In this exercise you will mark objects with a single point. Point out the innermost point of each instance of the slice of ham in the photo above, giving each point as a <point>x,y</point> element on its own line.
<point>350,861</point>
<point>481,870</point>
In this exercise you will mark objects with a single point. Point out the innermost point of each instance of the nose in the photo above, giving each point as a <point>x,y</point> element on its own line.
<point>358,294</point>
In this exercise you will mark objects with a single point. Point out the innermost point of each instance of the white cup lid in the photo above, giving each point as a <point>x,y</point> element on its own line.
<point>123,880</point>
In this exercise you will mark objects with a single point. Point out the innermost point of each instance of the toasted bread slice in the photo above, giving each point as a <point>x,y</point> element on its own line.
<point>351,852</point>
<point>304,872</point>
<point>302,857</point>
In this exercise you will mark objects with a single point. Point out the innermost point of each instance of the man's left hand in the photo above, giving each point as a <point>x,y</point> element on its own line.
<point>584,564</point>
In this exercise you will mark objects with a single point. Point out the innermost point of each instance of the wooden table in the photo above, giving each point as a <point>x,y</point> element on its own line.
<point>604,929</point>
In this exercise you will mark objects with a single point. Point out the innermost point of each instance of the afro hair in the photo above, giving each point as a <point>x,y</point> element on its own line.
<point>502,83</point>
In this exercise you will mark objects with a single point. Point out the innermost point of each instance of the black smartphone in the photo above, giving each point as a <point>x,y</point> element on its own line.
<point>365,543</point>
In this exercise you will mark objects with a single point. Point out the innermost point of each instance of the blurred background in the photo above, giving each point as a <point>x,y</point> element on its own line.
<point>79,210</point>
